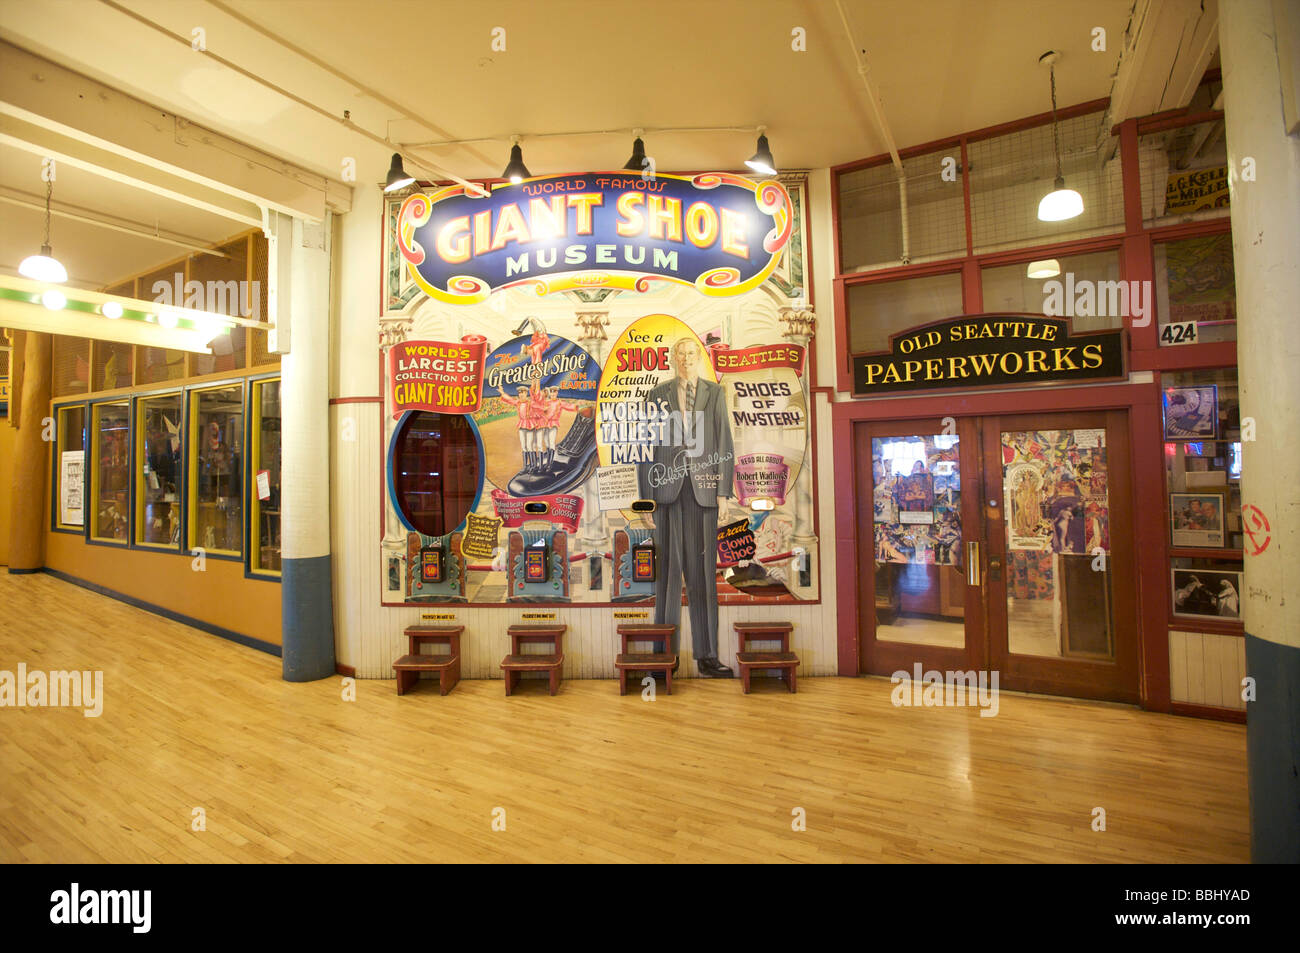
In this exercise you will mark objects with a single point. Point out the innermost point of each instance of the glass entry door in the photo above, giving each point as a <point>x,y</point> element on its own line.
<point>1061,578</point>
<point>1000,544</point>
<point>920,594</point>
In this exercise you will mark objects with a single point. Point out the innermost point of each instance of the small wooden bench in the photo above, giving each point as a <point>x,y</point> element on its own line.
<point>517,661</point>
<point>629,661</point>
<point>409,666</point>
<point>783,661</point>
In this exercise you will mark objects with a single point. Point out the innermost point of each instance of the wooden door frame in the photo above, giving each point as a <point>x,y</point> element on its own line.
<point>1141,399</point>
<point>1076,677</point>
<point>890,657</point>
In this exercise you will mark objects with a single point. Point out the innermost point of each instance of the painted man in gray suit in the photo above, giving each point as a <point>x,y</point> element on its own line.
<point>690,473</point>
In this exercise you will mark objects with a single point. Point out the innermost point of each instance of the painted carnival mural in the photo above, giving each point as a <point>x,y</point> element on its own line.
<point>596,393</point>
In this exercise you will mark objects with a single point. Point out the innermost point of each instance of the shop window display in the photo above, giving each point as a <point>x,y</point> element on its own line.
<point>264,500</point>
<point>1196,291</point>
<point>216,455</point>
<point>1202,426</point>
<point>158,470</point>
<point>110,472</point>
<point>69,463</point>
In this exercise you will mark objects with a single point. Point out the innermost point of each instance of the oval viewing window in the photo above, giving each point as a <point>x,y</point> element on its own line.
<point>435,471</point>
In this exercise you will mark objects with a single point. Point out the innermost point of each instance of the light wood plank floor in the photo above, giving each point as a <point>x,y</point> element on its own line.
<point>291,772</point>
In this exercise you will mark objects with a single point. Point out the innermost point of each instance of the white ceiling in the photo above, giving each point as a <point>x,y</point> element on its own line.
<point>941,67</point>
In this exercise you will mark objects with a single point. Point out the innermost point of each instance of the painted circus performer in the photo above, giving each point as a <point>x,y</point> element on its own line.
<point>525,413</point>
<point>549,409</point>
<point>538,343</point>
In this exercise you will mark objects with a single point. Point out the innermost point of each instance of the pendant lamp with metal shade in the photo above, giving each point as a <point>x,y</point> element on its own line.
<point>761,161</point>
<point>1061,203</point>
<point>515,169</point>
<point>398,177</point>
<point>637,162</point>
<point>44,267</point>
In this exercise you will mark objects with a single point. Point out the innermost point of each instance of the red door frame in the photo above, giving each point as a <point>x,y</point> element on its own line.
<point>1142,401</point>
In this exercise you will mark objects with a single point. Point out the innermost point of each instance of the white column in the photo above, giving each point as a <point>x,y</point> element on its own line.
<point>1264,183</point>
<point>299,275</point>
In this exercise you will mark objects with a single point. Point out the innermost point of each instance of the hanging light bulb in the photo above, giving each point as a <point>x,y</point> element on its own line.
<point>515,169</point>
<point>761,161</point>
<point>398,178</point>
<point>1061,203</point>
<point>44,267</point>
<point>637,162</point>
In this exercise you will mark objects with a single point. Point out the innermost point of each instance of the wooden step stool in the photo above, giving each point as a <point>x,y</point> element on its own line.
<point>628,661</point>
<point>783,661</point>
<point>517,662</point>
<point>409,666</point>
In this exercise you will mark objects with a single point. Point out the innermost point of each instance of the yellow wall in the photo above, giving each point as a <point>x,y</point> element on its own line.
<point>8,439</point>
<point>219,596</point>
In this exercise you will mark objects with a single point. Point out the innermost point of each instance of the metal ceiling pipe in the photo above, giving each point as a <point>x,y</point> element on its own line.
<point>878,113</point>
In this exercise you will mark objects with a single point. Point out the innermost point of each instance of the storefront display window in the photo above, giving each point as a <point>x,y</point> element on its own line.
<point>1202,428</point>
<point>1196,291</point>
<point>215,487</point>
<point>69,468</point>
<point>879,309</point>
<point>264,500</point>
<point>158,470</point>
<point>110,472</point>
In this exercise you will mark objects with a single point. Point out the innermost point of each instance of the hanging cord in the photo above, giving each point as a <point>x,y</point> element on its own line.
<point>49,188</point>
<point>1056,130</point>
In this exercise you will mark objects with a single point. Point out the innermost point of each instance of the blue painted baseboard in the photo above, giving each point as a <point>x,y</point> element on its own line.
<point>248,640</point>
<point>1273,751</point>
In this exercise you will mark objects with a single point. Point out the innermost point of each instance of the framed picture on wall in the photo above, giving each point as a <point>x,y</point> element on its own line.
<point>1207,593</point>
<point>1197,519</point>
<point>1191,413</point>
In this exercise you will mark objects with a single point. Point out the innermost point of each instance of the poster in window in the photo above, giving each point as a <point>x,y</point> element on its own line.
<point>72,464</point>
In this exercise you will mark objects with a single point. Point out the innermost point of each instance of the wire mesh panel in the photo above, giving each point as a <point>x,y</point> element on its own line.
<point>157,364</point>
<point>164,286</point>
<point>260,353</point>
<point>1010,174</point>
<point>871,212</point>
<point>71,366</point>
<point>1184,174</point>
<point>124,289</point>
<point>111,365</point>
<point>224,288</point>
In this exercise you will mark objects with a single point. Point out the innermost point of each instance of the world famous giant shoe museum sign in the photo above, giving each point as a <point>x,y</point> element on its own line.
<point>721,233</point>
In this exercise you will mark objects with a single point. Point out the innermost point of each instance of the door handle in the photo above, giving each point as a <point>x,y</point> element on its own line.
<point>973,563</point>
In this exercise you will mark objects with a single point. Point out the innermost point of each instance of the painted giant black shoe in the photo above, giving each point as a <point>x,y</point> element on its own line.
<point>573,461</point>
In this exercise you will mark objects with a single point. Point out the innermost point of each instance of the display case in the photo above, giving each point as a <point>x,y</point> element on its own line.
<point>70,468</point>
<point>158,470</point>
<point>264,478</point>
<point>110,496</point>
<point>214,485</point>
